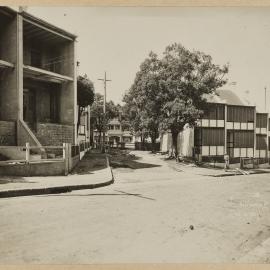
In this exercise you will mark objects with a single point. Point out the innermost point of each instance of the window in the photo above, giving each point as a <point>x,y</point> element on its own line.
<point>261,120</point>
<point>261,142</point>
<point>240,114</point>
<point>243,139</point>
<point>212,136</point>
<point>215,112</point>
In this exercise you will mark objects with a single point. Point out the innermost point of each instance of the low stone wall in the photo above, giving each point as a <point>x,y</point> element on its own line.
<point>34,169</point>
<point>54,134</point>
<point>73,162</point>
<point>7,133</point>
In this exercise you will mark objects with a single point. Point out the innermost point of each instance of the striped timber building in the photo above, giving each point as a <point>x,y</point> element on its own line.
<point>229,127</point>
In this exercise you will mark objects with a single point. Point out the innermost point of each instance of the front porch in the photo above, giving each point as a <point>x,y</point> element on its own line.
<point>48,111</point>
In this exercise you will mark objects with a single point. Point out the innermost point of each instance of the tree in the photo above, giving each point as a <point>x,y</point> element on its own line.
<point>85,95</point>
<point>169,92</point>
<point>99,120</point>
<point>142,100</point>
<point>186,78</point>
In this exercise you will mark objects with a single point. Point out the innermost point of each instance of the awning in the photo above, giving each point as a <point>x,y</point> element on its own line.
<point>44,75</point>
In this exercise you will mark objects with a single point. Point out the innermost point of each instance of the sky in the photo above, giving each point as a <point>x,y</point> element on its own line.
<point>118,39</point>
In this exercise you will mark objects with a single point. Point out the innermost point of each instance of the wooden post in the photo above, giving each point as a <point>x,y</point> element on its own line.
<point>27,152</point>
<point>64,151</point>
<point>66,157</point>
<point>225,130</point>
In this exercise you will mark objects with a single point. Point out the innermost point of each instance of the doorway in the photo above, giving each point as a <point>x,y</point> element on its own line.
<point>29,107</point>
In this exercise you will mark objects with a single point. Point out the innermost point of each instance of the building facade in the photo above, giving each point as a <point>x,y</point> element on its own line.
<point>38,87</point>
<point>229,127</point>
<point>115,134</point>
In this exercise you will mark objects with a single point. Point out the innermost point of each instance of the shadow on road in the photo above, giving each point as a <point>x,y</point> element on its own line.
<point>123,159</point>
<point>132,164</point>
<point>120,193</point>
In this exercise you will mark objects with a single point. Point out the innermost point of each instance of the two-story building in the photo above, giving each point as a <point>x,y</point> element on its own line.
<point>229,127</point>
<point>38,87</point>
<point>115,134</point>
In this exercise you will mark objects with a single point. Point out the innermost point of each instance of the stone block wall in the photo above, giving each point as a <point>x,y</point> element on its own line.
<point>54,134</point>
<point>7,133</point>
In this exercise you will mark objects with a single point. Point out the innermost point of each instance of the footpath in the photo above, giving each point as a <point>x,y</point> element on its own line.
<point>93,171</point>
<point>211,171</point>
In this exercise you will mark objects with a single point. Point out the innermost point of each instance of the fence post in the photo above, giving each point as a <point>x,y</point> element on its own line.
<point>27,152</point>
<point>64,151</point>
<point>66,158</point>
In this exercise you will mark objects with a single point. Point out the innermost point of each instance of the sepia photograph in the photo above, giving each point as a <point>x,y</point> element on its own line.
<point>134,135</point>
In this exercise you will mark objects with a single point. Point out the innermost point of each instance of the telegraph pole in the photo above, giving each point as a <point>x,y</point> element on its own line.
<point>105,80</point>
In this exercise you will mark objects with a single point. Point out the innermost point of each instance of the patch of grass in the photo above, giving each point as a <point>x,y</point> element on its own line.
<point>91,161</point>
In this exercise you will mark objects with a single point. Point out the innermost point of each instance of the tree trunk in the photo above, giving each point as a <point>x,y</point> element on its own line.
<point>143,143</point>
<point>99,139</point>
<point>174,144</point>
<point>153,141</point>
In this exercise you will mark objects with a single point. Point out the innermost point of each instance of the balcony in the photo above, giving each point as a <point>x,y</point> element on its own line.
<point>48,54</point>
<point>7,38</point>
<point>44,75</point>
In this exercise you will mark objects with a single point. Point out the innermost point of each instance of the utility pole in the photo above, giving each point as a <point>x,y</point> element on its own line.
<point>105,80</point>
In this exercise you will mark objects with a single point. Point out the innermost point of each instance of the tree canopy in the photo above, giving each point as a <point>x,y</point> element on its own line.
<point>170,92</point>
<point>85,91</point>
<point>99,120</point>
<point>85,95</point>
<point>141,102</point>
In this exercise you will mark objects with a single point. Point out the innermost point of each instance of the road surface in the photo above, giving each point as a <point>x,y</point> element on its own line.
<point>151,214</point>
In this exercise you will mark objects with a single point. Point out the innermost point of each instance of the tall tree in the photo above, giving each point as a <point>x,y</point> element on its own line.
<point>143,99</point>
<point>186,78</point>
<point>85,95</point>
<point>170,92</point>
